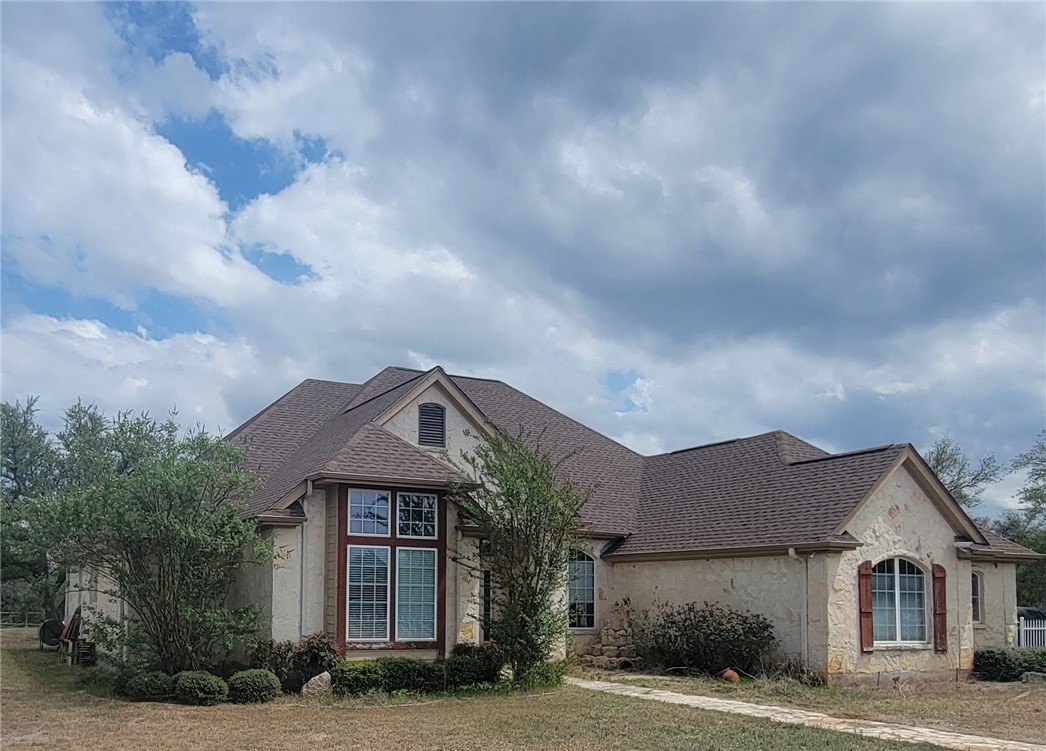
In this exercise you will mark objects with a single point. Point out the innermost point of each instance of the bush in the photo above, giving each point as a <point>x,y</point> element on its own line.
<point>357,677</point>
<point>200,687</point>
<point>544,675</point>
<point>703,639</point>
<point>152,686</point>
<point>274,656</point>
<point>255,686</point>
<point>295,664</point>
<point>96,678</point>
<point>226,669</point>
<point>472,664</point>
<point>413,675</point>
<point>313,655</point>
<point>1006,663</point>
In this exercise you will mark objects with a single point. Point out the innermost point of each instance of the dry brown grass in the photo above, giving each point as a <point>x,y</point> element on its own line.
<point>41,708</point>
<point>1015,711</point>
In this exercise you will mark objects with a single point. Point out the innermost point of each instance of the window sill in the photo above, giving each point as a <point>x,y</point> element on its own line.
<point>980,626</point>
<point>583,631</point>
<point>901,646</point>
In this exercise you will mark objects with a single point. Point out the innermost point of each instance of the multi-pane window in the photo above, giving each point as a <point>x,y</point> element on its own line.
<point>415,594</point>
<point>581,591</point>
<point>369,512</point>
<point>432,424</point>
<point>976,597</point>
<point>898,601</point>
<point>488,602</point>
<point>416,515</point>
<point>367,598</point>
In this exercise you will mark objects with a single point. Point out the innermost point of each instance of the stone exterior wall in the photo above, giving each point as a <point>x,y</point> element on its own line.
<point>999,604</point>
<point>898,520</point>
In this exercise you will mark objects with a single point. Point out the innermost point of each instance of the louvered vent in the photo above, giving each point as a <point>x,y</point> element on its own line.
<point>431,425</point>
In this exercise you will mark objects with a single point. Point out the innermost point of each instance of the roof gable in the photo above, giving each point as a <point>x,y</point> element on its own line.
<point>434,377</point>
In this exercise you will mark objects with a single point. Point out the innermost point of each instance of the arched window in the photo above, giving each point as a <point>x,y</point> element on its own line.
<point>581,591</point>
<point>432,425</point>
<point>977,596</point>
<point>898,601</point>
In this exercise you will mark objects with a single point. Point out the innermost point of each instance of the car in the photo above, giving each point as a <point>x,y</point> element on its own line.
<point>1030,613</point>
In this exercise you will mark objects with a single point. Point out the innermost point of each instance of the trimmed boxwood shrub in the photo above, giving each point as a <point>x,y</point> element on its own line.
<point>1007,663</point>
<point>274,656</point>
<point>152,686</point>
<point>409,674</point>
<point>546,674</point>
<point>254,686</point>
<point>472,664</point>
<point>200,687</point>
<point>357,677</point>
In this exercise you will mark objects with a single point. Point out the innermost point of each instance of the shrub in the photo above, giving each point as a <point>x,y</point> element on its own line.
<point>471,664</point>
<point>226,669</point>
<point>274,656</point>
<point>152,686</point>
<point>96,678</point>
<point>413,675</point>
<point>357,677</point>
<point>313,655</point>
<point>254,686</point>
<point>545,674</point>
<point>702,638</point>
<point>200,687</point>
<point>1007,663</point>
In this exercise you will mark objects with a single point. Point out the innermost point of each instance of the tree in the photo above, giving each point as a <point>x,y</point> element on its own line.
<point>527,516</point>
<point>27,469</point>
<point>155,513</point>
<point>1028,526</point>
<point>964,481</point>
<point>1032,494</point>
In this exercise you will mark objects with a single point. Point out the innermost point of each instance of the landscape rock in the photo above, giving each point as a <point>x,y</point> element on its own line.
<point>318,686</point>
<point>1032,677</point>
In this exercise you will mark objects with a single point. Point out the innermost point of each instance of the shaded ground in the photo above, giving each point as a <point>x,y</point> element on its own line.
<point>1014,711</point>
<point>41,707</point>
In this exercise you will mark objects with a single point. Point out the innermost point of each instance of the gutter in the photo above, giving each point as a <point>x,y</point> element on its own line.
<point>828,546</point>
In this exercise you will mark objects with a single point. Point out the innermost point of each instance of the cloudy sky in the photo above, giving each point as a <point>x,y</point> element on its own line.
<point>676,223</point>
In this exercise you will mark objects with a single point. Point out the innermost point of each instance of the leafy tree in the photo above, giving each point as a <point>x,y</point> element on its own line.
<point>964,481</point>
<point>1032,494</point>
<point>155,513</point>
<point>1028,525</point>
<point>526,514</point>
<point>27,469</point>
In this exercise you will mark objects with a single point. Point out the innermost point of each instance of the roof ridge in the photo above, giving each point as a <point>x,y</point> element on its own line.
<point>723,443</point>
<point>369,399</point>
<point>847,454</point>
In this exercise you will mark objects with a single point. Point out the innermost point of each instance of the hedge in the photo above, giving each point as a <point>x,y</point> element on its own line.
<point>200,687</point>
<point>152,686</point>
<point>254,686</point>
<point>467,666</point>
<point>1007,663</point>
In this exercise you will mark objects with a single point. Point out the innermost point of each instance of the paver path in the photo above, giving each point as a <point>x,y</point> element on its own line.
<point>870,728</point>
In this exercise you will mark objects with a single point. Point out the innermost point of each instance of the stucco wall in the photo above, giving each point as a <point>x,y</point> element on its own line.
<point>253,586</point>
<point>462,434</point>
<point>898,520</point>
<point>772,586</point>
<point>999,603</point>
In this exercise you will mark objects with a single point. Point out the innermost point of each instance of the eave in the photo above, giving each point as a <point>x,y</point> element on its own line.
<point>750,551</point>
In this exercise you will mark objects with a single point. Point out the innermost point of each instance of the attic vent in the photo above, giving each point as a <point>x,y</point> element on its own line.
<point>431,425</point>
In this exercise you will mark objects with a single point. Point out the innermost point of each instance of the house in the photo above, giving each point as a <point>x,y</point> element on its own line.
<point>862,560</point>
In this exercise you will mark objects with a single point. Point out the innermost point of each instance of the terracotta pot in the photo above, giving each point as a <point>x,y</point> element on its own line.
<point>730,676</point>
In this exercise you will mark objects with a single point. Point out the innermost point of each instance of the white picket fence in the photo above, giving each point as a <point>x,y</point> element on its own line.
<point>1031,633</point>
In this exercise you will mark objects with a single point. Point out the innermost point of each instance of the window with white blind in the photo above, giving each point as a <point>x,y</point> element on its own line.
<point>415,594</point>
<point>581,591</point>
<point>367,596</point>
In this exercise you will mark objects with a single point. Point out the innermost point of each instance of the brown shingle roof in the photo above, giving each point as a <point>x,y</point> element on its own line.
<point>999,545</point>
<point>768,490</point>
<point>742,494</point>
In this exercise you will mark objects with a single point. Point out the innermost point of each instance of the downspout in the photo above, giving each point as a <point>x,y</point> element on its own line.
<point>804,626</point>
<point>301,567</point>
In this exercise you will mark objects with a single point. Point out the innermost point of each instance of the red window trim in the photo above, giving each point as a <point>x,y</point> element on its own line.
<point>393,541</point>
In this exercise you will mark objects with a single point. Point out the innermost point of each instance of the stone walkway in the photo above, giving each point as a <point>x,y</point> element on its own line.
<point>883,730</point>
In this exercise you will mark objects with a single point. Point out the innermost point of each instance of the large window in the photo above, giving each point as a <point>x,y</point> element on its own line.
<point>415,594</point>
<point>394,561</point>
<point>898,601</point>
<point>977,596</point>
<point>369,512</point>
<point>581,591</point>
<point>367,601</point>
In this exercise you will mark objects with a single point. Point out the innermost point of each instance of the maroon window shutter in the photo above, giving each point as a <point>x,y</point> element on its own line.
<point>940,609</point>
<point>864,597</point>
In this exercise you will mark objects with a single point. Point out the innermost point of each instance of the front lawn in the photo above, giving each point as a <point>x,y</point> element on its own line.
<point>1014,711</point>
<point>40,706</point>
